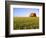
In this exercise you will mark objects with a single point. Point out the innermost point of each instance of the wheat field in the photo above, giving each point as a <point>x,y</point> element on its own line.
<point>21,23</point>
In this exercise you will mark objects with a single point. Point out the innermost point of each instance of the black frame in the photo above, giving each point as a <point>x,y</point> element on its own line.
<point>7,14</point>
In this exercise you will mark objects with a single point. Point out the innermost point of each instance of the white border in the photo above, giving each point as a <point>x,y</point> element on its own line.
<point>25,31</point>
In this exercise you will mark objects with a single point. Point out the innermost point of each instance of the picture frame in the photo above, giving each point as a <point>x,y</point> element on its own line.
<point>9,5</point>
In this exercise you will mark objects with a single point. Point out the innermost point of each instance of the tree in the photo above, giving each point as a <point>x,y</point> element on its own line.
<point>33,15</point>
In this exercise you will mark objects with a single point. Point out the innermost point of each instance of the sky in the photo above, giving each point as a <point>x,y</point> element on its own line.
<point>24,12</point>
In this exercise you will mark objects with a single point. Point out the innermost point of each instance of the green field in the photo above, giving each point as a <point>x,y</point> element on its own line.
<point>26,23</point>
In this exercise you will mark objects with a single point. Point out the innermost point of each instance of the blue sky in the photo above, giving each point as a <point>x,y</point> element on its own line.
<point>20,12</point>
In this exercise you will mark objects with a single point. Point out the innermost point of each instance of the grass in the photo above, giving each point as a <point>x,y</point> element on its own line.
<point>26,23</point>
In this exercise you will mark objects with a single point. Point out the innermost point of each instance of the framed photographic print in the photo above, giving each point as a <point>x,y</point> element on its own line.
<point>24,18</point>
